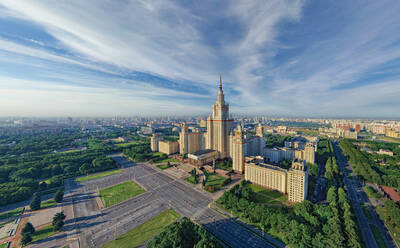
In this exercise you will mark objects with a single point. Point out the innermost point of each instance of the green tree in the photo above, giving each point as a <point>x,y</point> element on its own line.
<point>58,221</point>
<point>28,228</point>
<point>58,224</point>
<point>331,195</point>
<point>26,239</point>
<point>59,196</point>
<point>35,203</point>
<point>342,196</point>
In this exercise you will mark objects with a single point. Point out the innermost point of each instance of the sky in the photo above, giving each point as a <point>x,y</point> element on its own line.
<point>330,58</point>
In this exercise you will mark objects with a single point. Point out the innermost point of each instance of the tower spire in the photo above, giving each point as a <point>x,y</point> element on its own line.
<point>220,81</point>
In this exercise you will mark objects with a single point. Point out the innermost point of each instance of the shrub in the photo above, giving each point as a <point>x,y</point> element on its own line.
<point>35,203</point>
<point>226,181</point>
<point>59,196</point>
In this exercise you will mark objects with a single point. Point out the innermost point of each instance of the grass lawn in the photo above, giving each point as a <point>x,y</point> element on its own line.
<point>371,192</point>
<point>98,175</point>
<point>4,245</point>
<point>190,180</point>
<point>120,192</point>
<point>48,203</point>
<point>164,166</point>
<point>70,151</point>
<point>214,180</point>
<point>159,154</point>
<point>145,231</point>
<point>390,139</point>
<point>366,211</point>
<point>125,145</point>
<point>224,165</point>
<point>270,194</point>
<point>12,213</point>
<point>378,236</point>
<point>43,233</point>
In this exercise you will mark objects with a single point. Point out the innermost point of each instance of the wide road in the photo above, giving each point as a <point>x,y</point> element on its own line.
<point>358,197</point>
<point>95,227</point>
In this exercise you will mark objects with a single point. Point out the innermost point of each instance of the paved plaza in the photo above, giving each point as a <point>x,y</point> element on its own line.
<point>92,226</point>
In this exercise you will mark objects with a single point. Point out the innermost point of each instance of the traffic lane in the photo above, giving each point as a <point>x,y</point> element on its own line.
<point>229,231</point>
<point>102,235</point>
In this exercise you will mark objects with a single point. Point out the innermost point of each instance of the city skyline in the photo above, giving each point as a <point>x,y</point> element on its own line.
<point>289,58</point>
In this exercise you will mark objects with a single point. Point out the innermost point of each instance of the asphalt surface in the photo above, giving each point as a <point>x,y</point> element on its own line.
<point>95,227</point>
<point>358,197</point>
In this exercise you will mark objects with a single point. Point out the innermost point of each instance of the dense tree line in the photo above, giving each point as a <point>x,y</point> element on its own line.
<point>166,132</point>
<point>367,169</point>
<point>304,225</point>
<point>298,124</point>
<point>324,151</point>
<point>32,160</point>
<point>184,234</point>
<point>273,140</point>
<point>140,152</point>
<point>376,145</point>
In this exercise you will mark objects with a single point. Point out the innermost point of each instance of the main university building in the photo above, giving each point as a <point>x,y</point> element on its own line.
<point>223,141</point>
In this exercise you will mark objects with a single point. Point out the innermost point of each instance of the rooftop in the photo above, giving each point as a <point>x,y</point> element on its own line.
<point>391,193</point>
<point>201,152</point>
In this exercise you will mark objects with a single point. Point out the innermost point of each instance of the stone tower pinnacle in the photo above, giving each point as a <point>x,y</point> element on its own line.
<point>220,82</point>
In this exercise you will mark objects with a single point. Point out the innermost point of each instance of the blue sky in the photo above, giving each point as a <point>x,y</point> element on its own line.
<point>122,58</point>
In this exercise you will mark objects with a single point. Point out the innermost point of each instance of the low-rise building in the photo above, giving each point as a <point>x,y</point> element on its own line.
<point>202,157</point>
<point>385,152</point>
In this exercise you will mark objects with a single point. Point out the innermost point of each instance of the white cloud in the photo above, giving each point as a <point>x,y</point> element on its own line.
<point>38,98</point>
<point>169,40</point>
<point>155,37</point>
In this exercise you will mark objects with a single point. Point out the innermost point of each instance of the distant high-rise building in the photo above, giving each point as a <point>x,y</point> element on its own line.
<point>154,140</point>
<point>260,130</point>
<point>358,128</point>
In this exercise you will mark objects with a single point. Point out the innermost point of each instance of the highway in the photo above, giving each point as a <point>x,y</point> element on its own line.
<point>95,227</point>
<point>358,197</point>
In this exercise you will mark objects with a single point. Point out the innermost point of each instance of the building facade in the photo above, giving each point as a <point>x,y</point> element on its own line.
<point>202,157</point>
<point>219,126</point>
<point>293,182</point>
<point>154,140</point>
<point>266,175</point>
<point>297,182</point>
<point>190,142</point>
<point>242,145</point>
<point>168,147</point>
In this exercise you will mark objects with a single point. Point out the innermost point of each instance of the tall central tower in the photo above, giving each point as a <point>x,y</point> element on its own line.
<point>219,125</point>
